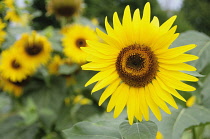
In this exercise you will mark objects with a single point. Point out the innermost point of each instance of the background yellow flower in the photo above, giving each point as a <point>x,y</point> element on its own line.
<point>75,38</point>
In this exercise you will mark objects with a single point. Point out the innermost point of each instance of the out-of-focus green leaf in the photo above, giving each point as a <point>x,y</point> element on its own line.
<point>206,92</point>
<point>206,133</point>
<point>64,120</point>
<point>51,96</point>
<point>47,117</point>
<point>108,129</point>
<point>13,128</point>
<point>202,50</point>
<point>141,130</point>
<point>172,126</point>
<point>68,69</point>
<point>29,112</point>
<point>194,73</point>
<point>5,103</point>
<point>55,39</point>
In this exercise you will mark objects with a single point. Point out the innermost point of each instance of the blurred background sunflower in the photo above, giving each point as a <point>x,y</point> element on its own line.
<point>74,38</point>
<point>34,48</point>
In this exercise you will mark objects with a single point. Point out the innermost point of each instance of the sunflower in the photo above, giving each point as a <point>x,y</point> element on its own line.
<point>34,48</point>
<point>11,13</point>
<point>2,32</point>
<point>15,88</point>
<point>64,8</point>
<point>137,66</point>
<point>74,38</point>
<point>13,67</point>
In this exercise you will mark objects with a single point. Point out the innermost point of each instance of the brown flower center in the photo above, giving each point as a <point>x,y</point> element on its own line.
<point>80,42</point>
<point>66,10</point>
<point>15,64</point>
<point>34,49</point>
<point>136,65</point>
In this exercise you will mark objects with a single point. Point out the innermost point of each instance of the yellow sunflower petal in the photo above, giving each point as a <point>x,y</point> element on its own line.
<point>157,100</point>
<point>114,97</point>
<point>120,103</point>
<point>147,13</point>
<point>167,25</point>
<point>105,82</point>
<point>137,113</point>
<point>127,26</point>
<point>109,90</point>
<point>126,22</point>
<point>99,76</point>
<point>92,65</point>
<point>173,83</point>
<point>97,53</point>
<point>177,67</point>
<point>109,29</point>
<point>179,75</point>
<point>164,41</point>
<point>136,24</point>
<point>144,106</point>
<point>102,48</point>
<point>174,52</point>
<point>131,106</point>
<point>116,21</point>
<point>153,106</point>
<point>155,21</point>
<point>111,41</point>
<point>164,95</point>
<point>179,59</point>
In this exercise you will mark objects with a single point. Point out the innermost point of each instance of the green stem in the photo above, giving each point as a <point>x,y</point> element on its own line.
<point>194,133</point>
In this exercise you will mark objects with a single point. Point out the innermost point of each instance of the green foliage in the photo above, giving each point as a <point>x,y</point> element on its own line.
<point>67,69</point>
<point>110,129</point>
<point>172,126</point>
<point>142,130</point>
<point>197,13</point>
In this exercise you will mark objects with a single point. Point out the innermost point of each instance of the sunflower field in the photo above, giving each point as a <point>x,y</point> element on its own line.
<point>113,69</point>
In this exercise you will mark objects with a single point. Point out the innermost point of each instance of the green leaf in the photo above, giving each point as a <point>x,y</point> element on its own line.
<point>29,112</point>
<point>108,129</point>
<point>142,130</point>
<point>47,117</point>
<point>202,50</point>
<point>5,103</point>
<point>68,69</point>
<point>47,97</point>
<point>13,128</point>
<point>172,126</point>
<point>194,73</point>
<point>206,92</point>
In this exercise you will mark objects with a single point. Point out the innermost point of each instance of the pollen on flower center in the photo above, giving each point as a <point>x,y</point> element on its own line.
<point>80,43</point>
<point>135,61</point>
<point>137,65</point>
<point>34,49</point>
<point>15,64</point>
